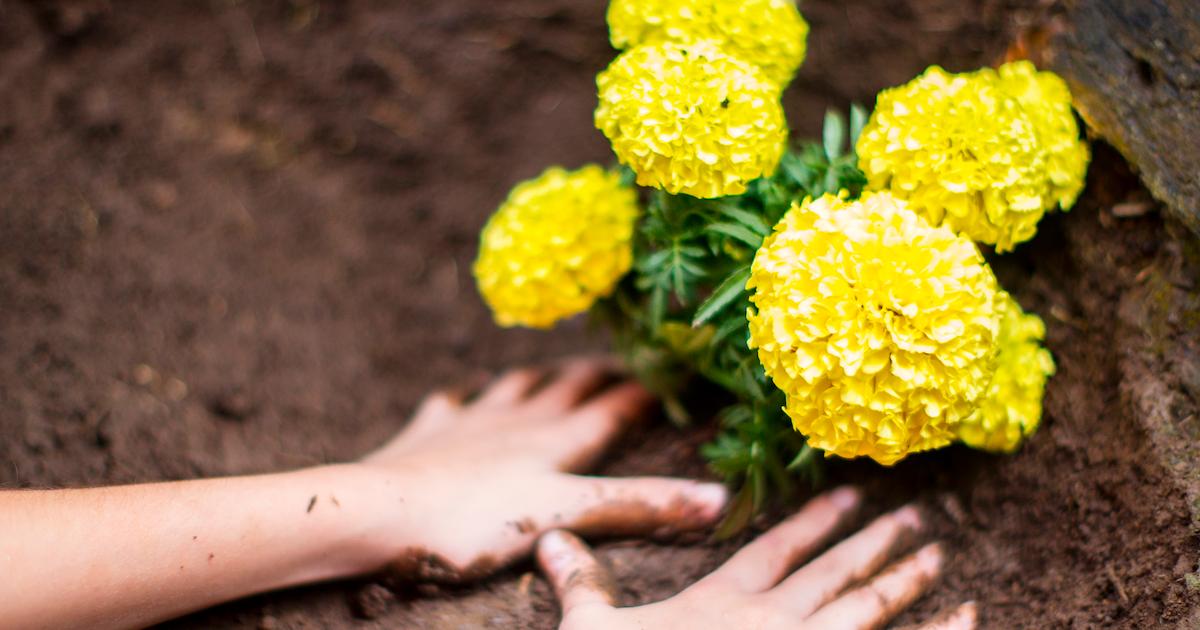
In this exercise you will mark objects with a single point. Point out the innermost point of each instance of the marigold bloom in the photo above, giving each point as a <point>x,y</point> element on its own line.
<point>558,243</point>
<point>687,118</point>
<point>879,327</point>
<point>1011,409</point>
<point>1047,101</point>
<point>770,34</point>
<point>964,151</point>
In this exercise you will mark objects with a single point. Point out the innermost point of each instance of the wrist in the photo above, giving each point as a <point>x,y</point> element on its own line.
<point>358,512</point>
<point>366,507</point>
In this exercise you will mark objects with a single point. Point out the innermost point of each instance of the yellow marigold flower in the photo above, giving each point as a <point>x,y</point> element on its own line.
<point>1047,101</point>
<point>687,118</point>
<point>770,34</point>
<point>558,243</point>
<point>961,151</point>
<point>879,327</point>
<point>1011,409</point>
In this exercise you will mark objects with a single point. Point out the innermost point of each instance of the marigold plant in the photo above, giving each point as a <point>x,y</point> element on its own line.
<point>770,34</point>
<point>879,327</point>
<point>986,152</point>
<point>1011,408</point>
<point>557,244</point>
<point>689,118</point>
<point>1047,101</point>
<point>833,321</point>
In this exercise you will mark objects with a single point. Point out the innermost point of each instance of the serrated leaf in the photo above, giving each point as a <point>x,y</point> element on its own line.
<point>722,296</point>
<point>834,134</point>
<point>738,232</point>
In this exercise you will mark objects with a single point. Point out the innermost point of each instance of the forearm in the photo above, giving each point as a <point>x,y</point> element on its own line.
<point>130,556</point>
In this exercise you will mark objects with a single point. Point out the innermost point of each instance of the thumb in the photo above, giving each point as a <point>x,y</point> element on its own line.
<point>659,507</point>
<point>577,576</point>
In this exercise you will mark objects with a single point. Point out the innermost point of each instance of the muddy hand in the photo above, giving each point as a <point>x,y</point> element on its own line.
<point>759,588</point>
<point>476,483</point>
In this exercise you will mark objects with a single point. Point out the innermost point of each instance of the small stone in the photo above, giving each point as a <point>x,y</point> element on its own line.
<point>371,601</point>
<point>144,374</point>
<point>175,389</point>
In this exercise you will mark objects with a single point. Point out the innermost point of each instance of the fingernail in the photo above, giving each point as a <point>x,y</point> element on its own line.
<point>712,495</point>
<point>554,547</point>
<point>845,498</point>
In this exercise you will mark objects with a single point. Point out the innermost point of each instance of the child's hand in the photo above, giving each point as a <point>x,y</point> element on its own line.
<point>843,589</point>
<point>471,486</point>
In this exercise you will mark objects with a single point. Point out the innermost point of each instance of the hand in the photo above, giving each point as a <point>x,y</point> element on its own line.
<point>479,482</point>
<point>754,590</point>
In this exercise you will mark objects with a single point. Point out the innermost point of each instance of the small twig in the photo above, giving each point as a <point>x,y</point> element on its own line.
<point>1116,582</point>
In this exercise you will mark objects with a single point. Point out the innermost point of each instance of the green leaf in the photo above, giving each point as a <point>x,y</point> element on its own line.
<point>858,120</point>
<point>722,296</point>
<point>658,307</point>
<point>806,458</point>
<point>741,510</point>
<point>832,181</point>
<point>748,219</point>
<point>834,134</point>
<point>730,326</point>
<point>800,172</point>
<point>758,481</point>
<point>738,232</point>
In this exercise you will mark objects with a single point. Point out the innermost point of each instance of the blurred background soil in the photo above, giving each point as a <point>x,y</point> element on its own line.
<point>236,237</point>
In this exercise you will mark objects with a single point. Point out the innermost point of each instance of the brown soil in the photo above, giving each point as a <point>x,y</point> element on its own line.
<point>236,236</point>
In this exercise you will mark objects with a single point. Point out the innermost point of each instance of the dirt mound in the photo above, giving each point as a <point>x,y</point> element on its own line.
<point>236,237</point>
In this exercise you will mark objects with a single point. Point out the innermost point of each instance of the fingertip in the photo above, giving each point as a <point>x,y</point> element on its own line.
<point>930,558</point>
<point>910,516</point>
<point>967,615</point>
<point>605,362</point>
<point>627,401</point>
<point>845,498</point>
<point>556,548</point>
<point>444,398</point>
<point>711,498</point>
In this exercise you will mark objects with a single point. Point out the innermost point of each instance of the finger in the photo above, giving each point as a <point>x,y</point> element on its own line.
<point>965,617</point>
<point>435,412</point>
<point>875,603</point>
<point>640,506</point>
<point>850,561</point>
<point>578,379</point>
<point>582,437</point>
<point>577,577</point>
<point>511,388</point>
<point>761,564</point>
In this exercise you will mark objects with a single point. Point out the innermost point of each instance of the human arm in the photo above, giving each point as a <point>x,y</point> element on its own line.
<point>466,488</point>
